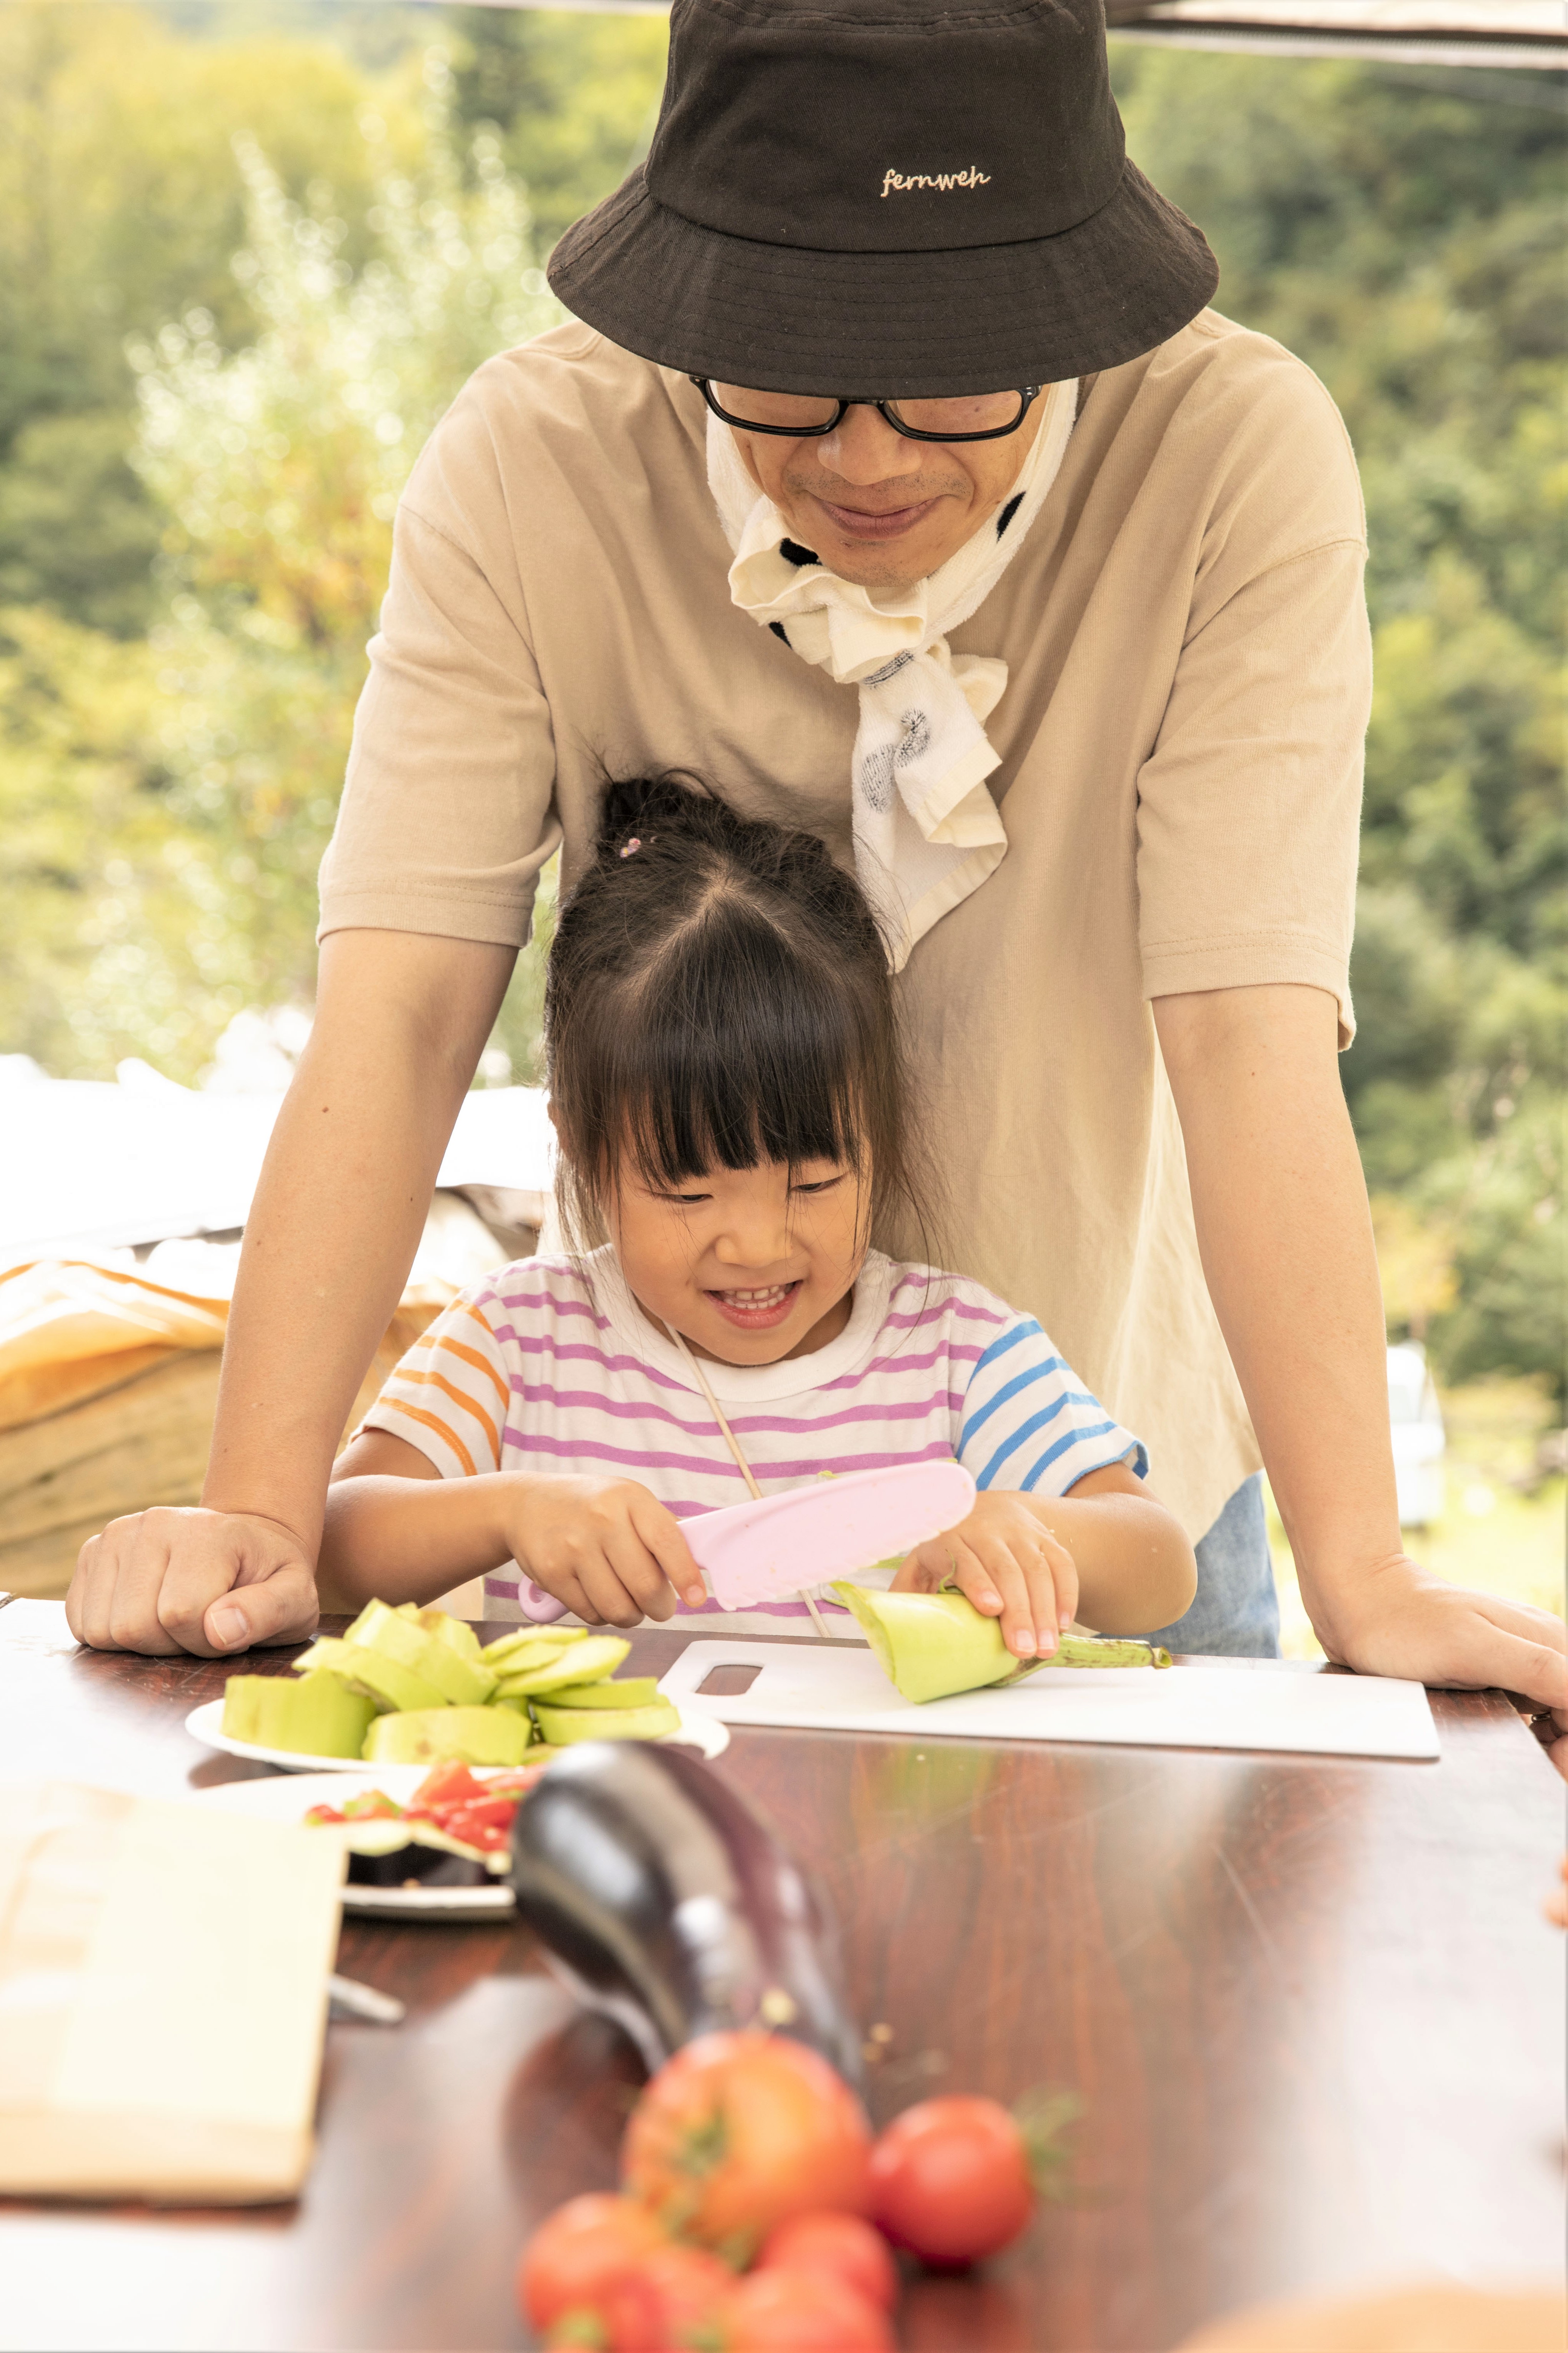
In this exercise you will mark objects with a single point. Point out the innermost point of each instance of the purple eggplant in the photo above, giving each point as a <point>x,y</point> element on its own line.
<point>663,1900</point>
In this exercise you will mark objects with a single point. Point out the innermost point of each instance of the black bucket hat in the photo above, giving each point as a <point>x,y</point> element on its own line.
<point>886,198</point>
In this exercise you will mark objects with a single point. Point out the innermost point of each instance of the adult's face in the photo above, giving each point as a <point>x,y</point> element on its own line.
<point>879,509</point>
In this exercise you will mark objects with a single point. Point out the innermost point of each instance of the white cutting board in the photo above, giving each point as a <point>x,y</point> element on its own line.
<point>839,1687</point>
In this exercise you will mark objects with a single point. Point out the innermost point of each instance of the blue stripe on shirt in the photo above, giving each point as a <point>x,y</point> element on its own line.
<point>1010,1390</point>
<point>1024,1430</point>
<point>1064,1446</point>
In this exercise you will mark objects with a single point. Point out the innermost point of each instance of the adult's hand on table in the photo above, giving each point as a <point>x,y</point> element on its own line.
<point>211,1583</point>
<point>1403,1620</point>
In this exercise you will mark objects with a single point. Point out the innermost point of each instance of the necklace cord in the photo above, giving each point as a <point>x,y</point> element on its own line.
<point>733,1443</point>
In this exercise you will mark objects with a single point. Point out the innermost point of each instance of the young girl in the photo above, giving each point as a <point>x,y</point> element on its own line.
<point>727,1087</point>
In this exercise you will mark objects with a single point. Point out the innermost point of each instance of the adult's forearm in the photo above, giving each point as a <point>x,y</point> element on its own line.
<point>400,1023</point>
<point>1280,1206</point>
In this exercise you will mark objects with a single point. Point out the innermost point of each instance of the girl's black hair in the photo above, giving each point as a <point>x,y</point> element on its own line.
<point>718,993</point>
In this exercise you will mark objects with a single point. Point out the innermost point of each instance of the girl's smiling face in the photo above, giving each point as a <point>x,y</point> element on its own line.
<point>751,1265</point>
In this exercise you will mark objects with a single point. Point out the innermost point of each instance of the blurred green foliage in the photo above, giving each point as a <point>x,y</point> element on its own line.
<point>1403,232</point>
<point>246,256</point>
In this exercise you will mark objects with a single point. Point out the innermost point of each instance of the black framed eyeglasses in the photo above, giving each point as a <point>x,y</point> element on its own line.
<point>804,415</point>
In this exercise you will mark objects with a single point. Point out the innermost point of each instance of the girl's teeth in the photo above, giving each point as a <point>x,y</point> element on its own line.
<point>769,1298</point>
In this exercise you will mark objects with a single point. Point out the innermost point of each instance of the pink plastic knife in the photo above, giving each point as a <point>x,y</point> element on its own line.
<point>768,1550</point>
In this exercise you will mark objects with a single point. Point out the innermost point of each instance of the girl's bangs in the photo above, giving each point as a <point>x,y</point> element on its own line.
<point>697,1080</point>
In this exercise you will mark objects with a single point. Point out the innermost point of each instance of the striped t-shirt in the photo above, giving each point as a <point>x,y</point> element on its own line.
<point>551,1365</point>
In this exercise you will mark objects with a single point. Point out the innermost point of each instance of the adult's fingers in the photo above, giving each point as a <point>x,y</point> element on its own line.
<point>170,1579</point>
<point>1485,1654</point>
<point>127,1579</point>
<point>279,1608</point>
<point>660,1531</point>
<point>214,1596</point>
<point>103,1592</point>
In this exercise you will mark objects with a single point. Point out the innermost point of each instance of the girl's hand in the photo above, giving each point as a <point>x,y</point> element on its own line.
<point>606,1547</point>
<point>1009,1566</point>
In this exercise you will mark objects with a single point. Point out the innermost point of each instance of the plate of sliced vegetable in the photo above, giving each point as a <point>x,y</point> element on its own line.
<point>413,1687</point>
<point>433,1842</point>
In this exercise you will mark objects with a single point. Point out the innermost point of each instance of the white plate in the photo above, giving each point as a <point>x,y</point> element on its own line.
<point>699,1729</point>
<point>275,1800</point>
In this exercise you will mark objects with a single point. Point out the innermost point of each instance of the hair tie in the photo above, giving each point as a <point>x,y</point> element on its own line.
<point>633,844</point>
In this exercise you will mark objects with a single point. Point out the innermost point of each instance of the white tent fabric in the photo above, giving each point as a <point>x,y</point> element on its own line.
<point>87,1166</point>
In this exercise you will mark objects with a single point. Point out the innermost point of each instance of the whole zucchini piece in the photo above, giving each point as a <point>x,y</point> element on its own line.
<point>663,1900</point>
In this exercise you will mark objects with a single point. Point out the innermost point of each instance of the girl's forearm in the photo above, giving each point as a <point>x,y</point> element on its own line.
<point>1135,1566</point>
<point>410,1539</point>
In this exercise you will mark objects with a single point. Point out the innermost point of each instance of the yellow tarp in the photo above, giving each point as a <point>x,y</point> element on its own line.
<point>68,1328</point>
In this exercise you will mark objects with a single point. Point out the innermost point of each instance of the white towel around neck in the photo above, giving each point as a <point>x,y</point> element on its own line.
<point>926,829</point>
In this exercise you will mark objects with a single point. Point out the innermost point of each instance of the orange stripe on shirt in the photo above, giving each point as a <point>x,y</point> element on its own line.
<point>480,1363</point>
<point>417,1413</point>
<point>461,1397</point>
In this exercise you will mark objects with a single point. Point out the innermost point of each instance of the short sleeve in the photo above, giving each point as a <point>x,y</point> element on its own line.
<point>1249,804</point>
<point>445,817</point>
<point>450,1395</point>
<point>1029,1425</point>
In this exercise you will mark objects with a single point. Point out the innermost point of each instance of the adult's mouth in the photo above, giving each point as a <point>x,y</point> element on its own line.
<point>857,522</point>
<point>761,1308</point>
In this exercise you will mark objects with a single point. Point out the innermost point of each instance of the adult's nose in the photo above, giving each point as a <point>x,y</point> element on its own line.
<point>863,448</point>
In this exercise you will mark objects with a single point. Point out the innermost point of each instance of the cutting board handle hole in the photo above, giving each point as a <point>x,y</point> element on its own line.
<point>727,1683</point>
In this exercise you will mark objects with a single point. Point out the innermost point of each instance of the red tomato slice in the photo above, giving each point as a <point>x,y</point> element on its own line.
<point>835,2246</point>
<point>448,1784</point>
<point>950,2180</point>
<point>578,2254</point>
<point>497,1812</point>
<point>738,2132</point>
<point>796,2312</point>
<point>319,1814</point>
<point>483,1835</point>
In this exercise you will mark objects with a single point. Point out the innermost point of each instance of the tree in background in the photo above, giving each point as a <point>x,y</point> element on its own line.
<point>277,468</point>
<point>1403,232</point>
<point>574,98</point>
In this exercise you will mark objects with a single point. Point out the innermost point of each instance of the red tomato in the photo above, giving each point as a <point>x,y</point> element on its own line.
<point>950,2180</point>
<point>835,2246</point>
<point>448,1784</point>
<point>738,2132</point>
<point>578,2252</point>
<point>795,2312</point>
<point>496,1813</point>
<point>659,2303</point>
<point>473,1826</point>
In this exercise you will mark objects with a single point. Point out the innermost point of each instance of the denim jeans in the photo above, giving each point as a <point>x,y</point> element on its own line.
<point>1235,1611</point>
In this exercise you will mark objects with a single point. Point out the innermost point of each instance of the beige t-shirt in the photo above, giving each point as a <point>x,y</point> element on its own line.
<point>1181,737</point>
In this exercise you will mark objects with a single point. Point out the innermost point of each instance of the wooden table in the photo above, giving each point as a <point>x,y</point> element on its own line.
<point>1312,2007</point>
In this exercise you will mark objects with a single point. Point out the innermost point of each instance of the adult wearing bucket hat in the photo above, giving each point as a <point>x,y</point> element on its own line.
<point>893,475</point>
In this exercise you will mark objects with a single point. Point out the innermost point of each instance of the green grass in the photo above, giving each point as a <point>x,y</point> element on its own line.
<point>1502,1530</point>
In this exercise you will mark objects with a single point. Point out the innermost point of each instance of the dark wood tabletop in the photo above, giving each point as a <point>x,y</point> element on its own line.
<point>1311,2006</point>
